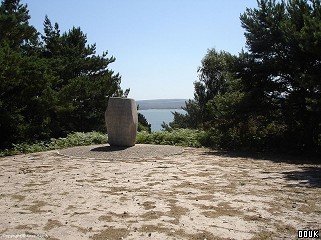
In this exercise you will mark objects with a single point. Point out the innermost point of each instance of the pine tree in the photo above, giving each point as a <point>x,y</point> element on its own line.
<point>281,72</point>
<point>22,77</point>
<point>14,26</point>
<point>51,87</point>
<point>83,81</point>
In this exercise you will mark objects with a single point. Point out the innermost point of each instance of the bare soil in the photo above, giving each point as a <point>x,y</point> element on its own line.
<point>173,193</point>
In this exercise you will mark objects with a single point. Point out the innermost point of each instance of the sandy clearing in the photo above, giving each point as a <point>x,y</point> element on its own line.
<point>189,194</point>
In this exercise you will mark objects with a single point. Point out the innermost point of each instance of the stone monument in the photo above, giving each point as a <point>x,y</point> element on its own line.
<point>121,121</point>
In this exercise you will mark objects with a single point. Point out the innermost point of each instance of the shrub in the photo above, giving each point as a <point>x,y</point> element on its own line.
<point>72,139</point>
<point>178,137</point>
<point>78,139</point>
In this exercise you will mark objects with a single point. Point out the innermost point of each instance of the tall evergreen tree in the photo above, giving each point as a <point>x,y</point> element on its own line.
<point>83,81</point>
<point>50,87</point>
<point>22,76</point>
<point>282,69</point>
<point>14,26</point>
<point>214,78</point>
<point>270,96</point>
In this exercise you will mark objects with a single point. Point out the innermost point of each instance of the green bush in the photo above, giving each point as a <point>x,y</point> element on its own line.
<point>72,139</point>
<point>78,139</point>
<point>178,137</point>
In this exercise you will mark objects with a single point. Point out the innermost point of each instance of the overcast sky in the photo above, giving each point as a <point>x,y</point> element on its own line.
<point>158,44</point>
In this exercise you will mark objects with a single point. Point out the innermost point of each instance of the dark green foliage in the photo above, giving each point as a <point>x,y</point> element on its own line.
<point>15,30</point>
<point>72,139</point>
<point>282,70</point>
<point>23,77</point>
<point>268,98</point>
<point>143,124</point>
<point>216,93</point>
<point>178,137</point>
<point>83,82</point>
<point>214,78</point>
<point>49,86</point>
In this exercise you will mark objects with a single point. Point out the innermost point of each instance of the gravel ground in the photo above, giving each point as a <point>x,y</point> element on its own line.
<point>185,193</point>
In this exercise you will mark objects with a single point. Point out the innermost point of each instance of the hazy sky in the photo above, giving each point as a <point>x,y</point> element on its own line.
<point>158,44</point>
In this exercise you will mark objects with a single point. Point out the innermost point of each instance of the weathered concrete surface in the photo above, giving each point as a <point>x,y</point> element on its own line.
<point>198,194</point>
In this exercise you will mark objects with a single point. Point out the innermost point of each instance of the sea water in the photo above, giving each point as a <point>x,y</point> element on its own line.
<point>157,116</point>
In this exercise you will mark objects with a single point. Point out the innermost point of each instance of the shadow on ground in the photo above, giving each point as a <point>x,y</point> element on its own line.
<point>306,176</point>
<point>278,158</point>
<point>108,149</point>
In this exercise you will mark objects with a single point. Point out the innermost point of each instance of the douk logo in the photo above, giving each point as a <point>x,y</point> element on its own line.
<point>308,234</point>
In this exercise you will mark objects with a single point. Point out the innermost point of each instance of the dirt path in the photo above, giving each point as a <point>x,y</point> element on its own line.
<point>196,194</point>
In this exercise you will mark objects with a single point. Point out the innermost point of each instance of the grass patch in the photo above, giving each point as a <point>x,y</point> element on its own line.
<point>72,139</point>
<point>177,137</point>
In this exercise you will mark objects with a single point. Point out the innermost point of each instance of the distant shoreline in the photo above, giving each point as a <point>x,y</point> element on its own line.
<point>156,117</point>
<point>140,109</point>
<point>161,104</point>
